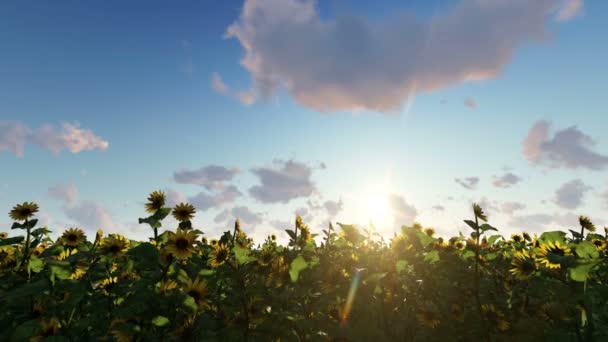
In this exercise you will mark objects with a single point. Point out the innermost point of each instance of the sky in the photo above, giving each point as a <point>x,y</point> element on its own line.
<point>351,111</point>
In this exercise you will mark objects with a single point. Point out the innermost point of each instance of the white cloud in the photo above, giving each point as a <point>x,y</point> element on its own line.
<point>350,63</point>
<point>289,181</point>
<point>211,177</point>
<point>569,148</point>
<point>14,136</point>
<point>403,212</point>
<point>570,194</point>
<point>243,213</point>
<point>90,216</point>
<point>68,193</point>
<point>216,199</point>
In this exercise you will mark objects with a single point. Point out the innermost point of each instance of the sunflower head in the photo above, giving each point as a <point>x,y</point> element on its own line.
<point>98,236</point>
<point>73,236</point>
<point>599,243</point>
<point>184,212</point>
<point>107,284</point>
<point>114,245</point>
<point>517,238</point>
<point>273,237</point>
<point>7,256</point>
<point>198,290</point>
<point>428,318</point>
<point>526,236</point>
<point>479,212</point>
<point>265,257</point>
<point>156,201</point>
<point>495,317</point>
<point>551,252</point>
<point>523,264</point>
<point>180,244</point>
<point>49,327</point>
<point>23,211</point>
<point>3,235</point>
<point>219,255</point>
<point>429,231</point>
<point>586,223</point>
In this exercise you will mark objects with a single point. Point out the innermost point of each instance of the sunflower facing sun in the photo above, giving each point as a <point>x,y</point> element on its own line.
<point>180,244</point>
<point>219,255</point>
<point>156,201</point>
<point>551,252</point>
<point>184,212</point>
<point>523,264</point>
<point>114,245</point>
<point>23,211</point>
<point>198,290</point>
<point>73,236</point>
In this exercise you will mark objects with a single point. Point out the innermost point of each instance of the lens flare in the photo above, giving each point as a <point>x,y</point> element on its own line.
<point>348,306</point>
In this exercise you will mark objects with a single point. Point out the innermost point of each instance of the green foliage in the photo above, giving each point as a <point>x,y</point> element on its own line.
<point>347,285</point>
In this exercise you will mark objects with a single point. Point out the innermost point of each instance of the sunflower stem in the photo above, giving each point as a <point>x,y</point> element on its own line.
<point>26,251</point>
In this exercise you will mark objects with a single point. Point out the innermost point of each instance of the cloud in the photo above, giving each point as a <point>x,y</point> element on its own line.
<point>439,207</point>
<point>173,198</point>
<point>91,216</point>
<point>403,212</point>
<point>204,200</point>
<point>281,225</point>
<point>14,136</point>
<point>211,177</point>
<point>570,195</point>
<point>304,213</point>
<point>289,181</point>
<point>217,83</point>
<point>569,9</point>
<point>543,222</point>
<point>68,193</point>
<point>506,180</point>
<point>569,148</point>
<point>470,103</point>
<point>333,208</point>
<point>510,208</point>
<point>243,213</point>
<point>350,63</point>
<point>468,183</point>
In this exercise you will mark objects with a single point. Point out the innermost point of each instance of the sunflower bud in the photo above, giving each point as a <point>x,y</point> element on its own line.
<point>586,223</point>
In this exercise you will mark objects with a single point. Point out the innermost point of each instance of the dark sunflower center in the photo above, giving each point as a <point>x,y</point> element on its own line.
<point>72,237</point>
<point>114,249</point>
<point>181,244</point>
<point>195,294</point>
<point>527,267</point>
<point>557,251</point>
<point>221,255</point>
<point>598,243</point>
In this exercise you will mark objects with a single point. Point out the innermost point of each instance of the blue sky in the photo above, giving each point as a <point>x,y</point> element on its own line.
<point>340,110</point>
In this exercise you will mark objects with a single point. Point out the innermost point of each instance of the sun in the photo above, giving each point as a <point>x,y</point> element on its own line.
<point>378,209</point>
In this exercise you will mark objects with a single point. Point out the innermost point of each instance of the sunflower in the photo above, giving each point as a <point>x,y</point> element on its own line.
<point>479,212</point>
<point>180,244</point>
<point>48,327</point>
<point>198,290</point>
<point>184,212</point>
<point>517,238</point>
<point>599,243</point>
<point>66,254</point>
<point>38,250</point>
<point>457,312</point>
<point>73,236</point>
<point>273,237</point>
<point>3,235</point>
<point>428,318</point>
<point>156,200</point>
<point>23,211</point>
<point>167,286</point>
<point>118,334</point>
<point>460,245</point>
<point>265,257</point>
<point>523,264</point>
<point>213,242</point>
<point>80,269</point>
<point>586,223</point>
<point>429,231</point>
<point>98,236</point>
<point>114,245</point>
<point>219,255</point>
<point>495,317</point>
<point>7,256</point>
<point>526,236</point>
<point>107,283</point>
<point>550,250</point>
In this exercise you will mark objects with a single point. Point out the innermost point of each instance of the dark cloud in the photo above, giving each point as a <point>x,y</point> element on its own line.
<point>211,177</point>
<point>569,148</point>
<point>506,180</point>
<point>468,183</point>
<point>289,180</point>
<point>570,194</point>
<point>350,63</point>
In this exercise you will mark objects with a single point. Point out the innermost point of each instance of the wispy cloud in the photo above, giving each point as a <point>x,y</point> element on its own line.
<point>570,194</point>
<point>15,135</point>
<point>569,148</point>
<point>569,9</point>
<point>469,183</point>
<point>68,193</point>
<point>215,199</point>
<point>506,180</point>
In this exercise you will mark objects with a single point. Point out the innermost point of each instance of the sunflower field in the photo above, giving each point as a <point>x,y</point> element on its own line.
<point>342,284</point>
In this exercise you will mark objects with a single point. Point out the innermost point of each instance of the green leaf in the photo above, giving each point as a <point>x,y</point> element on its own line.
<point>145,255</point>
<point>35,264</point>
<point>401,266</point>
<point>40,231</point>
<point>26,330</point>
<point>586,250</point>
<point>291,233</point>
<point>190,304</point>
<point>471,224</point>
<point>206,272</point>
<point>485,227</point>
<point>59,270</point>
<point>432,257</point>
<point>552,236</point>
<point>242,255</point>
<point>161,213</point>
<point>160,321</point>
<point>17,225</point>
<point>185,225</point>
<point>582,269</point>
<point>493,239</point>
<point>31,224</point>
<point>11,241</point>
<point>297,265</point>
